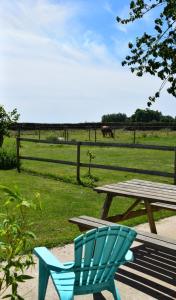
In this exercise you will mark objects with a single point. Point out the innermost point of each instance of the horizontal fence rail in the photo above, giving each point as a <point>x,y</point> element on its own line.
<point>95,125</point>
<point>103,144</point>
<point>79,164</point>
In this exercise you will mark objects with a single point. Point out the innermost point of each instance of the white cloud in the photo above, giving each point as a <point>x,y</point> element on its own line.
<point>56,71</point>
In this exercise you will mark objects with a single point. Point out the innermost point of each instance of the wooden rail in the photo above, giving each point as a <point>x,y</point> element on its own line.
<point>79,164</point>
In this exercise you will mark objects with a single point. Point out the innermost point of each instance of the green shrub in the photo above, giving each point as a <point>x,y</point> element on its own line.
<point>8,159</point>
<point>15,240</point>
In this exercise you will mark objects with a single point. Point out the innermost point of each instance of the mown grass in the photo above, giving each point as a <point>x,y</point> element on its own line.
<point>61,196</point>
<point>155,137</point>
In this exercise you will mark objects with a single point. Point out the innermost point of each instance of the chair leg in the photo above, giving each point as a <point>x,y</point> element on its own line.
<point>114,290</point>
<point>43,281</point>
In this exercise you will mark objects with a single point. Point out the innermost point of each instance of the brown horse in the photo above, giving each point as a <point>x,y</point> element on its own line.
<point>107,131</point>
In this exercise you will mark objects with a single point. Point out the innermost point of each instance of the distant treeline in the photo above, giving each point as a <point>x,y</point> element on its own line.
<point>140,115</point>
<point>141,120</point>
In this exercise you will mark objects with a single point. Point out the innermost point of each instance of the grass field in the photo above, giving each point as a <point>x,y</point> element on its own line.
<point>63,198</point>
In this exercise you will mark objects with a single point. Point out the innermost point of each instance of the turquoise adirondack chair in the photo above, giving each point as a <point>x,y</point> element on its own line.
<point>98,254</point>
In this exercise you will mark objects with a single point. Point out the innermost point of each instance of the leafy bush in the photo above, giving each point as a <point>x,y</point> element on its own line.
<point>8,159</point>
<point>15,240</point>
<point>6,120</point>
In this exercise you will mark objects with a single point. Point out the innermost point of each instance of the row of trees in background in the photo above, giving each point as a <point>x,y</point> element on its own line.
<point>140,115</point>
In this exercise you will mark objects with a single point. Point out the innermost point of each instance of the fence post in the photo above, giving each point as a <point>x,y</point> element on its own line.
<point>78,163</point>
<point>67,135</point>
<point>19,132</point>
<point>39,134</point>
<point>89,134</point>
<point>95,135</point>
<point>175,166</point>
<point>134,136</point>
<point>18,153</point>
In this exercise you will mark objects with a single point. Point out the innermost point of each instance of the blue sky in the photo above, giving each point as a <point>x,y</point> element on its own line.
<point>60,61</point>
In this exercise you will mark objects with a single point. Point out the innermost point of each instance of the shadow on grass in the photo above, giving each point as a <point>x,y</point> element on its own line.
<point>153,272</point>
<point>85,182</point>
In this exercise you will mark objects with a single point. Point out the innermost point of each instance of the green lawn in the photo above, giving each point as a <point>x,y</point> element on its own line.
<point>160,137</point>
<point>62,198</point>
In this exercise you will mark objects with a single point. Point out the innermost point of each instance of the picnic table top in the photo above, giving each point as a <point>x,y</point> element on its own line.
<point>145,190</point>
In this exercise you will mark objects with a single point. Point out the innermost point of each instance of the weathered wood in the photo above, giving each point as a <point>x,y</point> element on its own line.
<point>134,137</point>
<point>163,206</point>
<point>117,125</point>
<point>107,167</point>
<point>95,135</point>
<point>86,222</point>
<point>148,194</point>
<point>151,191</point>
<point>78,164</point>
<point>18,154</point>
<point>89,134</point>
<point>47,142</point>
<point>153,184</point>
<point>135,194</point>
<point>175,167</point>
<point>105,144</point>
<point>130,170</point>
<point>130,215</point>
<point>126,213</point>
<point>63,162</point>
<point>106,206</point>
<point>150,217</point>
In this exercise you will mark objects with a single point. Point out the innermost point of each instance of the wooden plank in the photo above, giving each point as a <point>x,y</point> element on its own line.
<point>131,214</point>
<point>131,170</point>
<point>18,153</point>
<point>147,187</point>
<point>157,237</point>
<point>159,244</point>
<point>127,145</point>
<point>145,237</point>
<point>135,187</point>
<point>150,217</point>
<point>78,163</point>
<point>57,161</point>
<point>90,222</point>
<point>106,206</point>
<point>146,190</point>
<point>154,184</point>
<point>141,195</point>
<point>126,213</point>
<point>47,142</point>
<point>105,144</point>
<point>163,206</point>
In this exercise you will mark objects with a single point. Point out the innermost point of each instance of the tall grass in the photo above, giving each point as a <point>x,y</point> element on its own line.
<point>8,158</point>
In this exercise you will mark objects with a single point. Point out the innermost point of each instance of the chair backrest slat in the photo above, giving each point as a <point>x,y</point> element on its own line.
<point>78,256</point>
<point>101,236</point>
<point>121,247</point>
<point>99,252</point>
<point>107,252</point>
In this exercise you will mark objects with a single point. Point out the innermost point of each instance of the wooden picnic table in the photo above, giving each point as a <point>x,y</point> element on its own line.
<point>153,195</point>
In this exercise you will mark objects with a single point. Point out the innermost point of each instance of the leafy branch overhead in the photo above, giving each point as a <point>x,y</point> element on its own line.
<point>154,53</point>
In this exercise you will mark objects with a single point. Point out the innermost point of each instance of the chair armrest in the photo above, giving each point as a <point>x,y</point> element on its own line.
<point>129,256</point>
<point>49,260</point>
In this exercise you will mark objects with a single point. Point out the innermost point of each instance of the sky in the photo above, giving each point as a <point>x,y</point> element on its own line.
<point>60,61</point>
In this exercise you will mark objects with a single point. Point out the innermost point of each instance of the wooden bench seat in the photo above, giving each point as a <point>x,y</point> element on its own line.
<point>163,206</point>
<point>86,223</point>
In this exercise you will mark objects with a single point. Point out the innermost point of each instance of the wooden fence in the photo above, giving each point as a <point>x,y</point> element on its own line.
<point>78,164</point>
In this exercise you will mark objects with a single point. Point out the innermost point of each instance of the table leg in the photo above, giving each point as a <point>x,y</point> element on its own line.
<point>150,217</point>
<point>106,206</point>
